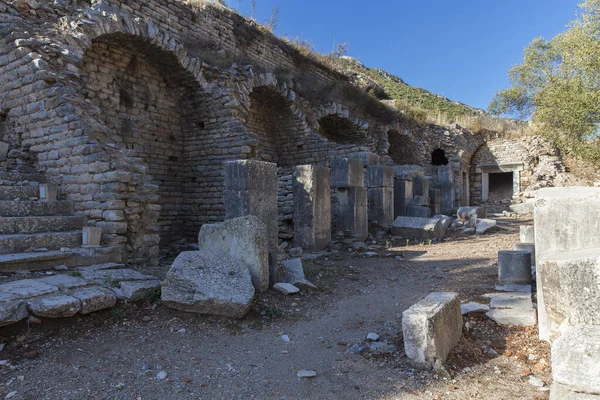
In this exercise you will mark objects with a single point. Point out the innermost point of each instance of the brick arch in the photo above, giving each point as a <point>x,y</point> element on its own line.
<point>152,110</point>
<point>336,125</point>
<point>272,119</point>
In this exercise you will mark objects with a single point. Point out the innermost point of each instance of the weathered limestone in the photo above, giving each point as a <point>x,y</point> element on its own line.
<point>563,224</point>
<point>48,192</point>
<point>350,198</point>
<point>514,267</point>
<point>413,210</point>
<point>380,183</point>
<point>445,220</point>
<point>205,283</point>
<point>418,228</point>
<point>244,239</point>
<point>576,363</point>
<point>435,198</point>
<point>251,189</point>
<point>421,186</point>
<point>529,247</point>
<point>527,233</point>
<point>484,225</point>
<point>91,236</point>
<point>3,150</point>
<point>569,281</point>
<point>467,213</point>
<point>403,195</point>
<point>94,298</point>
<point>312,207</point>
<point>432,328</point>
<point>54,306</point>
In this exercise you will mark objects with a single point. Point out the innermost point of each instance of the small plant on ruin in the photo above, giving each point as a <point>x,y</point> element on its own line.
<point>154,295</point>
<point>271,23</point>
<point>76,273</point>
<point>388,245</point>
<point>429,242</point>
<point>407,242</point>
<point>120,312</point>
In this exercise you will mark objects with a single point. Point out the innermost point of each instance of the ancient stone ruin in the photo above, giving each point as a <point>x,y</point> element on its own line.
<point>127,128</point>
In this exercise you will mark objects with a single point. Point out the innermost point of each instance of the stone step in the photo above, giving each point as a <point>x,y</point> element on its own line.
<point>27,225</point>
<point>51,241</point>
<point>15,177</point>
<point>35,208</point>
<point>77,257</point>
<point>10,193</point>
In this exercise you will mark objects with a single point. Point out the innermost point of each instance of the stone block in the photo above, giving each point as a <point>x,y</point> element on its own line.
<point>377,176</point>
<point>563,224</point>
<point>243,239</point>
<point>205,283</point>
<point>419,228</point>
<point>569,281</point>
<point>3,150</point>
<point>529,247</point>
<point>367,158</point>
<point>57,305</point>
<point>435,196</point>
<point>421,186</point>
<point>94,298</point>
<point>447,196</point>
<point>137,290</point>
<point>243,175</point>
<point>432,328</point>
<point>347,173</point>
<point>445,220</point>
<point>420,201</point>
<point>381,205</point>
<point>576,359</point>
<point>514,267</point>
<point>522,208</point>
<point>312,207</point>
<point>350,211</point>
<point>467,213</point>
<point>445,173</point>
<point>48,192</point>
<point>562,392</point>
<point>436,208</point>
<point>408,172</point>
<point>527,233</point>
<point>484,225</point>
<point>12,312</point>
<point>26,288</point>
<point>403,189</point>
<point>91,236</point>
<point>413,210</point>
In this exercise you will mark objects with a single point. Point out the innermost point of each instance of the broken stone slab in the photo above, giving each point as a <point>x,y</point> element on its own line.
<point>514,267</point>
<point>432,328</point>
<point>445,220</point>
<point>136,290</point>
<point>514,288</point>
<point>94,298</point>
<point>521,300</point>
<point>285,288</point>
<point>206,283</point>
<point>528,247</point>
<point>527,233</point>
<point>66,282</point>
<point>294,274</point>
<point>576,359</point>
<point>485,225</point>
<point>111,278</point>
<point>467,213</point>
<point>571,288</point>
<point>12,312</point>
<point>512,316</point>
<point>419,228</point>
<point>243,239</point>
<point>472,307</point>
<point>57,305</point>
<point>27,288</point>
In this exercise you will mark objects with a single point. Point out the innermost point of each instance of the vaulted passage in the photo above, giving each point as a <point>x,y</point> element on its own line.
<point>402,149</point>
<point>501,186</point>
<point>438,158</point>
<point>275,127</point>
<point>151,106</point>
<point>341,130</point>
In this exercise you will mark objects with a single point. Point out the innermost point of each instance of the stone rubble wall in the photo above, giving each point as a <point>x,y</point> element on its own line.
<point>285,204</point>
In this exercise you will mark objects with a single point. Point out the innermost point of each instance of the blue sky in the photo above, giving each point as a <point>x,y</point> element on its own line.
<point>461,49</point>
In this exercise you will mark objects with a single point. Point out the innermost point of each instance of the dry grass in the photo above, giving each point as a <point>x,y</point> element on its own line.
<point>483,122</point>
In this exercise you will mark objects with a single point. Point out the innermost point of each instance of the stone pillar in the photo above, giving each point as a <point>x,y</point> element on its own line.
<point>446,186</point>
<point>565,221</point>
<point>251,189</point>
<point>435,198</point>
<point>514,267</point>
<point>485,186</point>
<point>380,184</point>
<point>421,186</point>
<point>312,207</point>
<point>403,195</point>
<point>349,200</point>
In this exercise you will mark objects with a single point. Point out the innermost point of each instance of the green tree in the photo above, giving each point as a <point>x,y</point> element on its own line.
<point>558,85</point>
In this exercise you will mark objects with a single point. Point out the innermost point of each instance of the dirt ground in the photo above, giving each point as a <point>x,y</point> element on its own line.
<point>120,354</point>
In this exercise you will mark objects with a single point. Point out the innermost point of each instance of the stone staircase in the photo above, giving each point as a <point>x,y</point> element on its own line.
<point>46,236</point>
<point>38,235</point>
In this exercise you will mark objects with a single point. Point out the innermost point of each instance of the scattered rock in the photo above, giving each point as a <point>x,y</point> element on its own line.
<point>295,252</point>
<point>485,225</point>
<point>285,288</point>
<point>359,246</point>
<point>373,337</point>
<point>31,355</point>
<point>303,373</point>
<point>379,348</point>
<point>473,307</point>
<point>535,381</point>
<point>161,375</point>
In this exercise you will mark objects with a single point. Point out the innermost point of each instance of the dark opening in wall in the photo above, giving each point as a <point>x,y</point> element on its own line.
<point>403,150</point>
<point>501,186</point>
<point>341,130</point>
<point>438,158</point>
